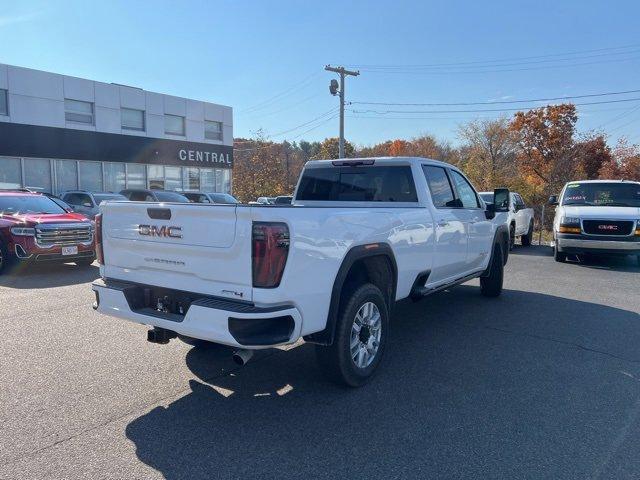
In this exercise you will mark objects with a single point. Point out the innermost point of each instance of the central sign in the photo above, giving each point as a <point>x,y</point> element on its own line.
<point>204,156</point>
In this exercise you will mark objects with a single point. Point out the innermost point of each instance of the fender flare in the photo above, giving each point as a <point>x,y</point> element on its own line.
<point>325,336</point>
<point>500,237</point>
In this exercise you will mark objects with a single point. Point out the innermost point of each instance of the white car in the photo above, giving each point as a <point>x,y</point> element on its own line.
<point>597,216</point>
<point>359,235</point>
<point>520,219</point>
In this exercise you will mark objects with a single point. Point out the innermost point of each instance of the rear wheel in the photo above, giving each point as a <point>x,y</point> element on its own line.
<point>491,285</point>
<point>360,338</point>
<point>526,239</point>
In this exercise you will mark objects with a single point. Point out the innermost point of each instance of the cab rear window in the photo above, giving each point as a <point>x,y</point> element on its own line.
<point>358,184</point>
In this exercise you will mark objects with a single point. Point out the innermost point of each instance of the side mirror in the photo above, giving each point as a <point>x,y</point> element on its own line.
<point>553,200</point>
<point>501,200</point>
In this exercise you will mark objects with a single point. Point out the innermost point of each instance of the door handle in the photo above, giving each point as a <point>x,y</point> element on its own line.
<point>443,223</point>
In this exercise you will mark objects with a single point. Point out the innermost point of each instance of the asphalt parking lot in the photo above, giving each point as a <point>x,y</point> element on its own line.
<point>543,382</point>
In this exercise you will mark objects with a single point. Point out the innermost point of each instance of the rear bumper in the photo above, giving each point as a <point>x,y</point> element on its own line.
<point>579,244</point>
<point>216,320</point>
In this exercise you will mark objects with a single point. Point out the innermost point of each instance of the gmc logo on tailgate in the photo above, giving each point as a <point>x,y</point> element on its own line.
<point>163,231</point>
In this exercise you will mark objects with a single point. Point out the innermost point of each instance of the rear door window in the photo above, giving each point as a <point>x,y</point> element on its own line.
<point>358,184</point>
<point>439,187</point>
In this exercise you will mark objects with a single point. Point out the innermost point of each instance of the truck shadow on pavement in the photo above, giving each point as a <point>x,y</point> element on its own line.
<point>532,251</point>
<point>48,276</point>
<point>525,385</point>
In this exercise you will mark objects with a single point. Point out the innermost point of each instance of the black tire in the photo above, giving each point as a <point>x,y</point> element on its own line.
<point>85,262</point>
<point>491,285</point>
<point>526,239</point>
<point>335,360</point>
<point>512,236</point>
<point>558,255</point>
<point>4,258</point>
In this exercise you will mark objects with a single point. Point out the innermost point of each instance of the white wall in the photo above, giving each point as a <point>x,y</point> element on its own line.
<point>37,98</point>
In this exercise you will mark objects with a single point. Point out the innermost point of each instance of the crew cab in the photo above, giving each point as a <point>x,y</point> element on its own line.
<point>358,236</point>
<point>597,216</point>
<point>34,228</point>
<point>520,219</point>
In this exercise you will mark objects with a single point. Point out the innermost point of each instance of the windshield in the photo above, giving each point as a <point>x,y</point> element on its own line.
<point>10,205</point>
<point>171,197</point>
<point>602,194</point>
<point>223,198</point>
<point>101,197</point>
<point>487,197</point>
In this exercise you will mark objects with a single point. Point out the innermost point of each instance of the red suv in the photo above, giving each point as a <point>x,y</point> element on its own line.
<point>34,228</point>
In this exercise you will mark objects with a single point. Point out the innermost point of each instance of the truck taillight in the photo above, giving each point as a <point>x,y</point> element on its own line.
<point>98,239</point>
<point>270,248</point>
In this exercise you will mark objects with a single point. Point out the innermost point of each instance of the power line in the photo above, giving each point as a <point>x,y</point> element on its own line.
<point>385,112</point>
<point>501,102</point>
<point>512,59</point>
<point>456,72</point>
<point>294,88</point>
<point>316,119</point>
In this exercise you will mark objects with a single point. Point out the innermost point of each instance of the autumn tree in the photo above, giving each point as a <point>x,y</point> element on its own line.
<point>329,149</point>
<point>624,163</point>
<point>258,169</point>
<point>591,154</point>
<point>488,155</point>
<point>546,154</point>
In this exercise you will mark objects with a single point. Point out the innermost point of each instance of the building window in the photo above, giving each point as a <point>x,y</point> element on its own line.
<point>212,130</point>
<point>10,173</point>
<point>207,180</point>
<point>114,177</point>
<point>91,176</point>
<point>37,174</point>
<point>4,103</point>
<point>155,175</point>
<point>132,119</point>
<point>191,178</point>
<point>136,176</point>
<point>173,178</point>
<point>66,175</point>
<point>77,111</point>
<point>174,125</point>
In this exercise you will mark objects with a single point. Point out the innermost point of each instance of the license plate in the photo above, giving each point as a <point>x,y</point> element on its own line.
<point>69,250</point>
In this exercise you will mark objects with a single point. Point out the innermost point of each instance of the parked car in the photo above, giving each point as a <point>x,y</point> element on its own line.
<point>394,228</point>
<point>144,195</point>
<point>283,200</point>
<point>33,228</point>
<point>88,203</point>
<point>520,219</point>
<point>201,197</point>
<point>597,216</point>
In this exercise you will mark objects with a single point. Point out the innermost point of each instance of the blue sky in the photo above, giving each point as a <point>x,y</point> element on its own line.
<point>245,53</point>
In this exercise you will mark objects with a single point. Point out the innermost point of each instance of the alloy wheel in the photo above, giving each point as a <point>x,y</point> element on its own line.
<point>366,331</point>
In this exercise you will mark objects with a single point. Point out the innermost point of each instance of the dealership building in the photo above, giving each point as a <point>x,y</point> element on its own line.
<point>61,133</point>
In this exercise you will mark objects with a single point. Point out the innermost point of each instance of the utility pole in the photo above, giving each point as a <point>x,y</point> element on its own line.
<point>333,89</point>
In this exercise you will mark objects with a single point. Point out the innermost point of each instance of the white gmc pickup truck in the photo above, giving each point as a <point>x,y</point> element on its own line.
<point>359,235</point>
<point>520,219</point>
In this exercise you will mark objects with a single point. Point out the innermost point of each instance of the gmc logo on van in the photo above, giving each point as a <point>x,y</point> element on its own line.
<point>163,231</point>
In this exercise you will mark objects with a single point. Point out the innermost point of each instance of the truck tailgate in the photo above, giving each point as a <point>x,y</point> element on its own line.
<point>192,247</point>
